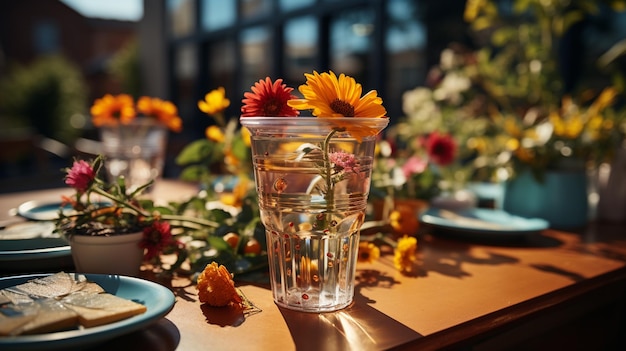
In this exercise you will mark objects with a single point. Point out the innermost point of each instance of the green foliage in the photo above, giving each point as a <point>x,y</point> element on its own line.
<point>45,94</point>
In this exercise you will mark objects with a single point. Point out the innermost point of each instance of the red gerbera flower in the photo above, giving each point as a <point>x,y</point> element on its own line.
<point>156,237</point>
<point>268,99</point>
<point>80,176</point>
<point>441,148</point>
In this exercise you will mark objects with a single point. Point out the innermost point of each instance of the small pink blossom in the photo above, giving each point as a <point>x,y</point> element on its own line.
<point>344,161</point>
<point>80,176</point>
<point>414,165</point>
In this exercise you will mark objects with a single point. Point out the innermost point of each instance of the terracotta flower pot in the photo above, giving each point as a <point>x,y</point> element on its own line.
<point>118,254</point>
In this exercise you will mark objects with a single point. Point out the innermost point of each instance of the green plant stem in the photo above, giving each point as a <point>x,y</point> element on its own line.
<point>141,212</point>
<point>330,188</point>
<point>194,220</point>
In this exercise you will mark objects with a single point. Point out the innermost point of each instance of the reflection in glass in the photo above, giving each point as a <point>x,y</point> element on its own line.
<point>257,55</point>
<point>287,5</point>
<point>405,43</point>
<point>300,40</point>
<point>181,17</point>
<point>218,14</point>
<point>254,8</point>
<point>351,43</point>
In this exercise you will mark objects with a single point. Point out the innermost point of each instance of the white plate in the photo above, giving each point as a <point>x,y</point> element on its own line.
<point>482,221</point>
<point>158,299</point>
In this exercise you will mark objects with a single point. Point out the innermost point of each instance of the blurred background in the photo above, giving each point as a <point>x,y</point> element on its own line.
<point>58,56</point>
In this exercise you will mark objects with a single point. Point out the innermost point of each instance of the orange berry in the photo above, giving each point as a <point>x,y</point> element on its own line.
<point>252,247</point>
<point>232,239</point>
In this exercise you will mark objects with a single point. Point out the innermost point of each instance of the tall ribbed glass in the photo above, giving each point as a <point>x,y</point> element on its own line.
<point>313,179</point>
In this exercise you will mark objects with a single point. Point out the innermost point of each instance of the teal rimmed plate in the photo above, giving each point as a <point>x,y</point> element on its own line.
<point>158,299</point>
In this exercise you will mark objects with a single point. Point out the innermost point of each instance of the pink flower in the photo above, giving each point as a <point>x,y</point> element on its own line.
<point>156,237</point>
<point>80,176</point>
<point>414,165</point>
<point>441,148</point>
<point>344,161</point>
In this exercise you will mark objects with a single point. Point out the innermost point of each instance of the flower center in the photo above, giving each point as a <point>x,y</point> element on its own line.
<point>271,107</point>
<point>342,107</point>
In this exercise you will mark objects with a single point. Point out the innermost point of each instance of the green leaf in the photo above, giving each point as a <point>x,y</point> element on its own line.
<point>194,173</point>
<point>195,152</point>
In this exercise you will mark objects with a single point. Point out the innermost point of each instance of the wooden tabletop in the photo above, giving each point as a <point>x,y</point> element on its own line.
<point>524,291</point>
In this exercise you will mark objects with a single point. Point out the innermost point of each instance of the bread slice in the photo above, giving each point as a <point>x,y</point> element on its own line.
<point>51,316</point>
<point>56,286</point>
<point>99,309</point>
<point>12,318</point>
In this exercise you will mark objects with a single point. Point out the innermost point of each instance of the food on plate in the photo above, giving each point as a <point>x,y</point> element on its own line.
<point>216,286</point>
<point>59,302</point>
<point>99,309</point>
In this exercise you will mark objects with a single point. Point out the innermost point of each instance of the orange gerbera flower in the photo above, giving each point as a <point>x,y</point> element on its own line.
<point>111,110</point>
<point>268,99</point>
<point>329,96</point>
<point>164,111</point>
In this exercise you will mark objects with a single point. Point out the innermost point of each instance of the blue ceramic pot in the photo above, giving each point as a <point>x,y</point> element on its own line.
<point>561,198</point>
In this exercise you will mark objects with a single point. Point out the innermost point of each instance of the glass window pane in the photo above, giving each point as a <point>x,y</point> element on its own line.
<point>256,52</point>
<point>255,8</point>
<point>181,14</point>
<point>351,43</point>
<point>46,37</point>
<point>287,5</point>
<point>405,46</point>
<point>217,14</point>
<point>185,71</point>
<point>222,65</point>
<point>300,40</point>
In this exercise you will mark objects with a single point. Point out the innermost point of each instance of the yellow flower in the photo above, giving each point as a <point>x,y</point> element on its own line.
<point>215,134</point>
<point>404,257</point>
<point>604,100</point>
<point>111,110</point>
<point>245,135</point>
<point>569,128</point>
<point>163,110</point>
<point>329,96</point>
<point>368,252</point>
<point>214,101</point>
<point>239,193</point>
<point>472,9</point>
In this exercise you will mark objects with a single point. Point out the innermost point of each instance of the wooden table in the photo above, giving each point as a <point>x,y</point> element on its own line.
<point>553,290</point>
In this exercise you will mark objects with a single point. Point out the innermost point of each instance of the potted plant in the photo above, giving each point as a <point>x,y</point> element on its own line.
<point>111,230</point>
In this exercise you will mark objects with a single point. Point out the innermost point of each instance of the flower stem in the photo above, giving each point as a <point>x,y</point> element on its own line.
<point>141,212</point>
<point>330,185</point>
<point>194,220</point>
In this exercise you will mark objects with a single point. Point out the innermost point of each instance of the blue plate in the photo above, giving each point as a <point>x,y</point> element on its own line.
<point>45,211</point>
<point>33,247</point>
<point>158,299</point>
<point>483,221</point>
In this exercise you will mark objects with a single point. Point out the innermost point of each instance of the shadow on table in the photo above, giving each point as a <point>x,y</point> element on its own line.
<point>518,239</point>
<point>360,326</point>
<point>160,336</point>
